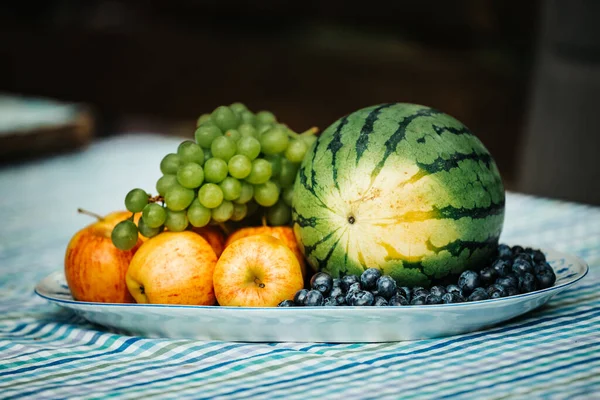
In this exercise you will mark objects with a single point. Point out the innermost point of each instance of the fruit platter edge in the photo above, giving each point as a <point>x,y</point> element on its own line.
<point>313,324</point>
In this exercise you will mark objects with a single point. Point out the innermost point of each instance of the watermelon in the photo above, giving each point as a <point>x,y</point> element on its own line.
<point>400,187</point>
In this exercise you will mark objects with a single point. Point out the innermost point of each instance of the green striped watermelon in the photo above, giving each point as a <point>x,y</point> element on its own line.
<point>399,187</point>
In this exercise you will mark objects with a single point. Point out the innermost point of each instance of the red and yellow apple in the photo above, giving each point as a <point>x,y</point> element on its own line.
<point>94,268</point>
<point>257,271</point>
<point>214,236</point>
<point>283,233</point>
<point>173,268</point>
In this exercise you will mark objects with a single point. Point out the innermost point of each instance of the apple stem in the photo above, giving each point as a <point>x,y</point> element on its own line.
<point>91,214</point>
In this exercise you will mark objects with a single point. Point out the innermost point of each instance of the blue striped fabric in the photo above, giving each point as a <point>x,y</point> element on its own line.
<point>48,352</point>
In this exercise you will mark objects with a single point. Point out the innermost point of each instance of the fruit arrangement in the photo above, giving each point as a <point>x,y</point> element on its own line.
<point>391,205</point>
<point>514,271</point>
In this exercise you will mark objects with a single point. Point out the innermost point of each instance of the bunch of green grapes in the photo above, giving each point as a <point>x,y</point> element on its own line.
<point>240,163</point>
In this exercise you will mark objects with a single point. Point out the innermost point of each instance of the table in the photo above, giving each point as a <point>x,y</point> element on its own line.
<point>48,352</point>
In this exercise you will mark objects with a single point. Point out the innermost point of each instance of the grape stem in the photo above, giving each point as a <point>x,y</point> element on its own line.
<point>91,214</point>
<point>156,199</point>
<point>309,132</point>
<point>264,220</point>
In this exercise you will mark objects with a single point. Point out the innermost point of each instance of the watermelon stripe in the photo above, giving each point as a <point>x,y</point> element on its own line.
<point>457,246</point>
<point>392,143</point>
<point>325,260</point>
<point>455,131</point>
<point>450,212</point>
<point>310,247</point>
<point>441,164</point>
<point>334,146</point>
<point>362,143</point>
<point>304,221</point>
<point>304,181</point>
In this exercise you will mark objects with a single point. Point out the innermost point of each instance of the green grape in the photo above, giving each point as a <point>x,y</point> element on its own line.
<point>222,212</point>
<point>224,118</point>
<point>198,215</point>
<point>190,175</point>
<point>265,117</point>
<point>136,200</point>
<point>247,130</point>
<point>261,171</point>
<point>223,147</point>
<point>239,166</point>
<point>124,235</point>
<point>251,207</point>
<point>296,150</point>
<point>249,147</point>
<point>288,195</point>
<point>154,215</point>
<point>170,163</point>
<point>246,193</point>
<point>207,154</point>
<point>275,161</point>
<point>274,141</point>
<point>279,214</point>
<point>288,172</point>
<point>165,182</point>
<point>179,198</point>
<point>210,195</point>
<point>266,194</point>
<point>206,133</point>
<point>176,221</point>
<point>238,108</point>
<point>309,140</point>
<point>215,170</point>
<point>261,129</point>
<point>233,134</point>
<point>189,151</point>
<point>202,119</point>
<point>248,117</point>
<point>147,231</point>
<point>239,212</point>
<point>231,187</point>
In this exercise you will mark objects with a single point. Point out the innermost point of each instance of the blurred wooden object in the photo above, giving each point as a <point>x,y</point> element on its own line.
<point>31,127</point>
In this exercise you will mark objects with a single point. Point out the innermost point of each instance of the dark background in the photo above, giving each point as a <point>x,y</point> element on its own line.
<point>523,75</point>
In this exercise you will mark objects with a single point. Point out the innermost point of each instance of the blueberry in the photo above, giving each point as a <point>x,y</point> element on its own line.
<point>502,267</point>
<point>418,301</point>
<point>516,250</point>
<point>438,291</point>
<point>363,298</point>
<point>496,290</point>
<point>338,295</point>
<point>368,279</point>
<point>527,283</point>
<point>452,297</point>
<point>404,292</point>
<point>351,294</point>
<point>521,266</point>
<point>508,280</point>
<point>354,287</point>
<point>454,289</point>
<point>478,295</point>
<point>433,299</point>
<point>386,287</point>
<point>545,278</point>
<point>380,302</point>
<point>330,302</point>
<point>286,303</point>
<point>468,281</point>
<point>300,297</point>
<point>543,266</point>
<point>419,291</point>
<point>504,252</point>
<point>314,298</point>
<point>398,300</point>
<point>337,282</point>
<point>523,257</point>
<point>538,256</point>
<point>347,281</point>
<point>512,291</point>
<point>488,275</point>
<point>321,281</point>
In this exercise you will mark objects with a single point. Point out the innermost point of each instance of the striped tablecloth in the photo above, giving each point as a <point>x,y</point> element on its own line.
<point>48,352</point>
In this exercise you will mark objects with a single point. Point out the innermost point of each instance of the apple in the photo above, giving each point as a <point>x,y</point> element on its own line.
<point>214,236</point>
<point>283,233</point>
<point>94,268</point>
<point>257,271</point>
<point>173,268</point>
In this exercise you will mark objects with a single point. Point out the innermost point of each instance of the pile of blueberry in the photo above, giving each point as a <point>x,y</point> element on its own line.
<point>514,270</point>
